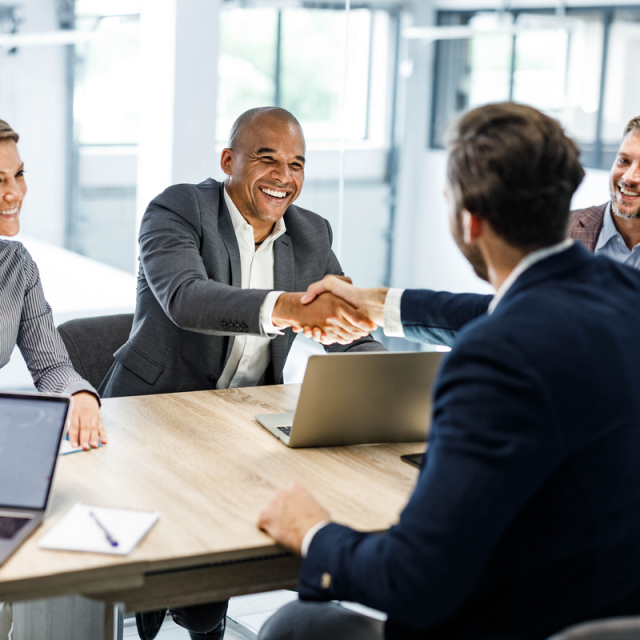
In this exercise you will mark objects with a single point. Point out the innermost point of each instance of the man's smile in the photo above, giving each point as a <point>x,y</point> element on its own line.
<point>628,192</point>
<point>274,195</point>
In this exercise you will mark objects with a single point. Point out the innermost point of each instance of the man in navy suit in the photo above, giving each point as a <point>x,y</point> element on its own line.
<point>526,515</point>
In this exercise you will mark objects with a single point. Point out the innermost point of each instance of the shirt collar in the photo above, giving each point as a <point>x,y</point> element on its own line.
<point>608,230</point>
<point>240,223</point>
<point>528,261</point>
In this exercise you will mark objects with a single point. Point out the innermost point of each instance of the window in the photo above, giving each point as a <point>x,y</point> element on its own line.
<point>622,89</point>
<point>106,88</point>
<point>293,58</point>
<point>554,67</point>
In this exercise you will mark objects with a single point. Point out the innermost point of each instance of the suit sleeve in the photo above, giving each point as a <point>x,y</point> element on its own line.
<point>367,343</point>
<point>170,244</point>
<point>436,317</point>
<point>494,441</point>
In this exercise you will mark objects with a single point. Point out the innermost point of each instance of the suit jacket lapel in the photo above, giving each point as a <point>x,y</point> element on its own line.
<point>284,279</point>
<point>586,225</point>
<point>228,235</point>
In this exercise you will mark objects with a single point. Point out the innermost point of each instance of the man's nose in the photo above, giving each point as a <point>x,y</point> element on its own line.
<point>281,173</point>
<point>632,174</point>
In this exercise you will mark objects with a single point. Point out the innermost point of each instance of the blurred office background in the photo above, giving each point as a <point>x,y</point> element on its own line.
<point>117,99</point>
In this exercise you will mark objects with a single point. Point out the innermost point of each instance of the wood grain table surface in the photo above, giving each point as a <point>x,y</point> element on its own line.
<point>207,467</point>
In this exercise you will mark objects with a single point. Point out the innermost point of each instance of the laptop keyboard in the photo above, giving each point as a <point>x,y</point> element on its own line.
<point>285,430</point>
<point>10,526</point>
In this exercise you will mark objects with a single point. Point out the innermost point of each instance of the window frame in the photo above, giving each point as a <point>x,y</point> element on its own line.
<point>596,155</point>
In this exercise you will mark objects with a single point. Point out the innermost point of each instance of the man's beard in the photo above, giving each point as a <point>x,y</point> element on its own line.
<point>471,253</point>
<point>634,215</point>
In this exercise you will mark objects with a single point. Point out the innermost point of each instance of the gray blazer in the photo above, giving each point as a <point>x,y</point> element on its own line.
<point>189,301</point>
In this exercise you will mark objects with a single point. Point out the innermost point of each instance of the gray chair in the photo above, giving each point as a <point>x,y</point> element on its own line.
<point>91,343</point>
<point>606,629</point>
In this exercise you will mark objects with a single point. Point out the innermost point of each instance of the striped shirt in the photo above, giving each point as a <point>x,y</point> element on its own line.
<point>26,320</point>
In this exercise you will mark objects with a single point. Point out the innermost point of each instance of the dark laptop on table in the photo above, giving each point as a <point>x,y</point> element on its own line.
<point>360,398</point>
<point>31,430</point>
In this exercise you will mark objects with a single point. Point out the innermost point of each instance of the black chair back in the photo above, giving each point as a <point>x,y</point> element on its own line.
<point>91,343</point>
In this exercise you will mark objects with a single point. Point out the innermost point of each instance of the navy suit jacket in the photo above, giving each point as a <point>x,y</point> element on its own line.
<point>526,515</point>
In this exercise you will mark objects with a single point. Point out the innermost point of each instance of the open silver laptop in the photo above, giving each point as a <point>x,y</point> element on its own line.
<point>31,430</point>
<point>359,398</point>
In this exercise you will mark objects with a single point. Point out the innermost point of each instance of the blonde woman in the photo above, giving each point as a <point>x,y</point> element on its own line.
<point>25,319</point>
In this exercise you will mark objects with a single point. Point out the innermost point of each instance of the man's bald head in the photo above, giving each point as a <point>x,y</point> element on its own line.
<point>244,120</point>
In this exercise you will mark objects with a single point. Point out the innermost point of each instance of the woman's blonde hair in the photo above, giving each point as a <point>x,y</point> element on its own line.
<point>7,133</point>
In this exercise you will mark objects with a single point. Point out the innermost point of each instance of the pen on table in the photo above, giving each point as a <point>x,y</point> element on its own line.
<point>112,541</point>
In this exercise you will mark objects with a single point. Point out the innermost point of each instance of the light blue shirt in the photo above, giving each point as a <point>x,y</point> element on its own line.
<point>611,244</point>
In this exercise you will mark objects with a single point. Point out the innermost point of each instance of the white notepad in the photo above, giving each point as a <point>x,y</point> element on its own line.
<point>66,448</point>
<point>79,531</point>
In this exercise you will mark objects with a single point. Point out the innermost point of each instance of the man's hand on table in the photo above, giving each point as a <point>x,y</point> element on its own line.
<point>369,302</point>
<point>289,515</point>
<point>86,427</point>
<point>334,317</point>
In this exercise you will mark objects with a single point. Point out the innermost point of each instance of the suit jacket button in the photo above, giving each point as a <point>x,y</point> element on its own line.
<point>325,581</point>
<point>211,379</point>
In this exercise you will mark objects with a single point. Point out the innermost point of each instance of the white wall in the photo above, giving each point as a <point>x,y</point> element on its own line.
<point>33,101</point>
<point>438,262</point>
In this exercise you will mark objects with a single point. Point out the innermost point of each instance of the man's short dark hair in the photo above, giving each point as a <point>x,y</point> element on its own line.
<point>632,125</point>
<point>514,167</point>
<point>245,118</point>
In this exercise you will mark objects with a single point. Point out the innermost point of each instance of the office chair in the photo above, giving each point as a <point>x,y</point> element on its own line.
<point>91,343</point>
<point>606,629</point>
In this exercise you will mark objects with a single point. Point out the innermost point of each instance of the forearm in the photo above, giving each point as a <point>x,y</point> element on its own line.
<point>213,308</point>
<point>43,350</point>
<point>436,317</point>
<point>373,569</point>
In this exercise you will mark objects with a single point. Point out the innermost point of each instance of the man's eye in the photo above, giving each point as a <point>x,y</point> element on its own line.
<point>297,167</point>
<point>267,158</point>
<point>20,174</point>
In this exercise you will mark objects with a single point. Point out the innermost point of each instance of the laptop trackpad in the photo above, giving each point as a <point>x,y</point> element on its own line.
<point>280,421</point>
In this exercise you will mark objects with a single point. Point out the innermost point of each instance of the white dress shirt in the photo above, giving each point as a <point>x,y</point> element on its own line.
<point>611,244</point>
<point>250,355</point>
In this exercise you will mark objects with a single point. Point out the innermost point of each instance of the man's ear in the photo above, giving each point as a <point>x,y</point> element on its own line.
<point>226,161</point>
<point>472,226</point>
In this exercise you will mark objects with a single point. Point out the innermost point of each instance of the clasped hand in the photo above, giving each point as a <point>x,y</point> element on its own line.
<point>366,303</point>
<point>332,316</point>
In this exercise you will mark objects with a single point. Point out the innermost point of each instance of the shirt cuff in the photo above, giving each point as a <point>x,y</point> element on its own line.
<point>392,321</point>
<point>266,311</point>
<point>308,537</point>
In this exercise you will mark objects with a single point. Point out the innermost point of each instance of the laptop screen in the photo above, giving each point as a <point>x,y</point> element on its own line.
<point>31,428</point>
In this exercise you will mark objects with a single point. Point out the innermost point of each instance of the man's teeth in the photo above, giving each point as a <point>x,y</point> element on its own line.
<point>275,194</point>
<point>626,192</point>
<point>9,212</point>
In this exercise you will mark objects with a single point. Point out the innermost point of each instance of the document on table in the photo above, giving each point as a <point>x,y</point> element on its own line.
<point>95,529</point>
<point>66,448</point>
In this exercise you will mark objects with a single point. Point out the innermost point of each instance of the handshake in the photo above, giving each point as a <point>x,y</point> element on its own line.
<point>332,310</point>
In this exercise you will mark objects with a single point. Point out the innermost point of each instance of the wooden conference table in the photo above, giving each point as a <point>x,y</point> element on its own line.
<point>202,461</point>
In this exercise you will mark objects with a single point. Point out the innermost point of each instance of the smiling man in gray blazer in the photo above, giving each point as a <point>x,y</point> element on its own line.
<point>216,308</point>
<point>214,261</point>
